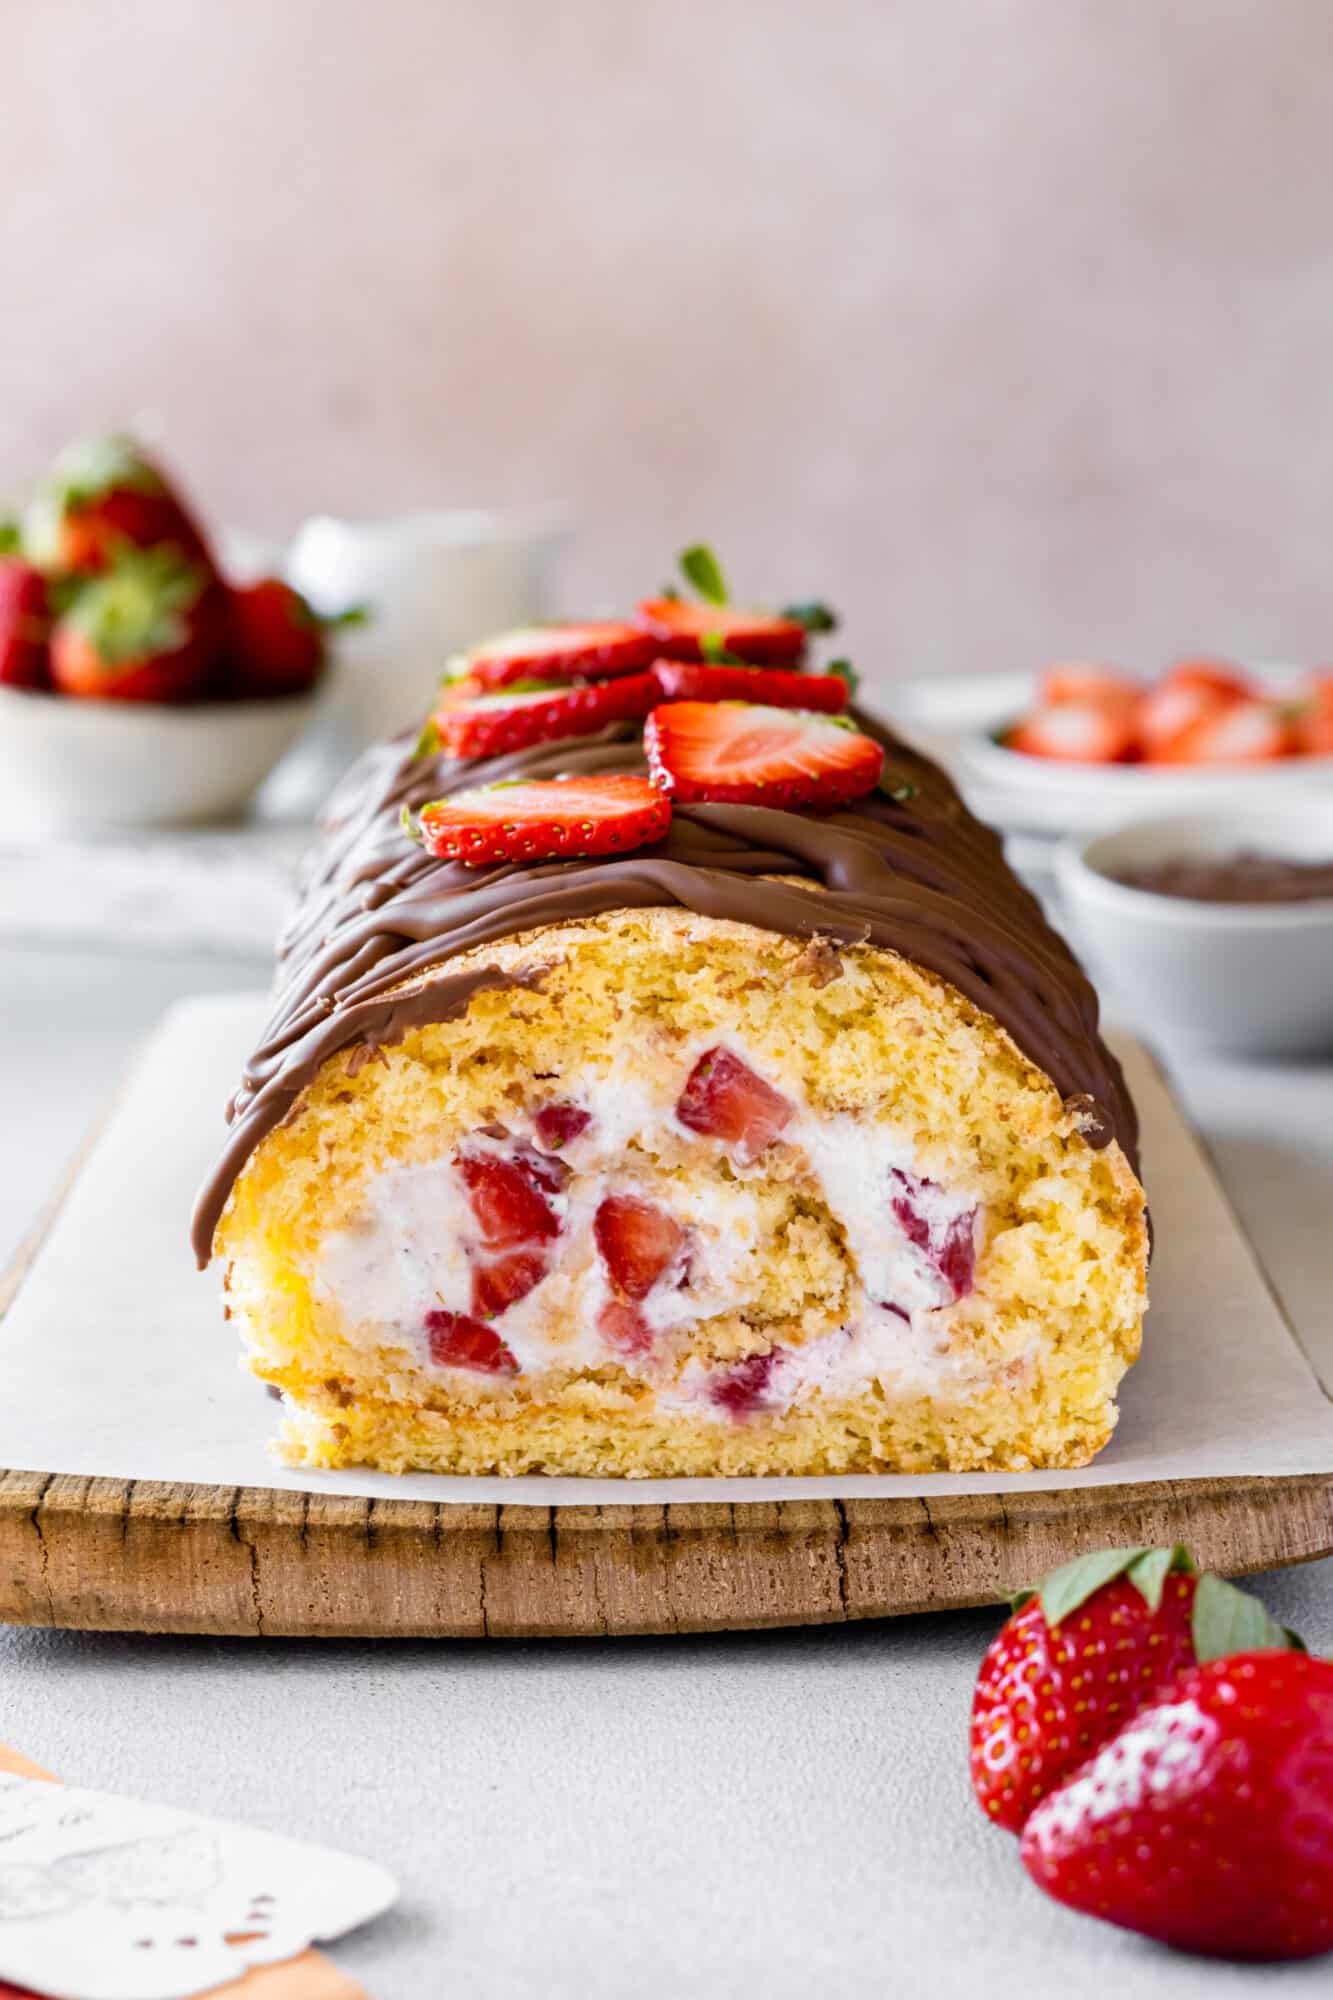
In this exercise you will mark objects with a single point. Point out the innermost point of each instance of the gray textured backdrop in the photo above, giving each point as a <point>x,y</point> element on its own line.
<point>1005,323</point>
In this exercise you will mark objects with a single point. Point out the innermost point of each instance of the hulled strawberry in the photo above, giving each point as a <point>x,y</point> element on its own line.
<point>587,651</point>
<point>1206,1821</point>
<point>493,724</point>
<point>1076,732</point>
<point>738,753</point>
<point>688,680</point>
<point>25,623</point>
<point>275,640</point>
<point>146,630</point>
<point>542,820</point>
<point>1082,1653</point>
<point>1246,731</point>
<point>101,497</point>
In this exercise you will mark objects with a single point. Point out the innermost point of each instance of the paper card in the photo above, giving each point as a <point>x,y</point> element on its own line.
<point>115,1359</point>
<point>105,1898</point>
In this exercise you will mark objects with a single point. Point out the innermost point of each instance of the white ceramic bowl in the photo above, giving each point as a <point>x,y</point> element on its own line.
<point>1239,978</point>
<point>69,764</point>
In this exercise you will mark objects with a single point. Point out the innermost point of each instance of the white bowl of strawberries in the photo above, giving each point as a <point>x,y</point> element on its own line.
<point>138,687</point>
<point>1095,745</point>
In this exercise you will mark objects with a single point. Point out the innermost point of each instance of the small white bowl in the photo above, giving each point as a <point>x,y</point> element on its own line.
<point>67,763</point>
<point>1239,978</point>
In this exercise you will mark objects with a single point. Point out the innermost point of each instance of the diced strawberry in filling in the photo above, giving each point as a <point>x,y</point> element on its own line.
<point>509,1197</point>
<point>624,1328</point>
<point>459,1341</point>
<point>556,1124</point>
<point>638,1242</point>
<point>724,1099</point>
<point>947,1241</point>
<point>505,1280</point>
<point>741,1390</point>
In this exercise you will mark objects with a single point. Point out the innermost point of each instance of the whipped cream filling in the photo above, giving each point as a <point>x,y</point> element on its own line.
<point>414,1249</point>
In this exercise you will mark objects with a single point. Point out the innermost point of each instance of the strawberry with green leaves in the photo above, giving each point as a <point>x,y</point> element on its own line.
<point>1082,1653</point>
<point>101,497</point>
<point>1206,1821</point>
<point>146,630</point>
<point>705,630</point>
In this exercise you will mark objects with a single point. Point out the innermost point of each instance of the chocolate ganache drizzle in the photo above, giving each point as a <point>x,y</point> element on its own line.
<point>907,867</point>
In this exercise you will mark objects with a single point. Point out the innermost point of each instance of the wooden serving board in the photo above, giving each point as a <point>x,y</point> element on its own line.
<point>158,1556</point>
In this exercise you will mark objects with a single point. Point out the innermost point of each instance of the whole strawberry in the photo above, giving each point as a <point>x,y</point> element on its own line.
<point>1207,1820</point>
<point>24,624</point>
<point>101,497</point>
<point>145,631</point>
<point>1095,1641</point>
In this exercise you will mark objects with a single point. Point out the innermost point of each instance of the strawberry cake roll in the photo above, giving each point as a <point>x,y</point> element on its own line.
<point>668,1076</point>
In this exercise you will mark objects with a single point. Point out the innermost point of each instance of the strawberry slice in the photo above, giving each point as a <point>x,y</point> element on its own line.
<point>1311,716</point>
<point>558,1123</point>
<point>560,652</point>
<point>1208,677</point>
<point>684,631</point>
<point>1083,681</point>
<point>724,1099</point>
<point>947,1239</point>
<point>510,1197</point>
<point>638,1242</point>
<point>744,1389</point>
<point>736,753</point>
<point>686,680</point>
<point>1076,732</point>
<point>505,1280</point>
<point>624,1328</point>
<point>492,725</point>
<point>459,1341</point>
<point>1232,732</point>
<point>545,820</point>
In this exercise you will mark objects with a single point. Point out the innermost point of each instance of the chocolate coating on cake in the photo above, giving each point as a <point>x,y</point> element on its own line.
<point>915,874</point>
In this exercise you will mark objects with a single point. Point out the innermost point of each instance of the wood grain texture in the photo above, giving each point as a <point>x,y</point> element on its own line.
<point>151,1556</point>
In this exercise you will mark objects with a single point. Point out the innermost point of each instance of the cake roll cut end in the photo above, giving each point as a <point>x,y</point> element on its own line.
<point>689,1197</point>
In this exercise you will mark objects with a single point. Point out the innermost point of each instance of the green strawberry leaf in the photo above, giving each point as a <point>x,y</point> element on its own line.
<point>815,617</point>
<point>346,621</point>
<point>1226,1620</point>
<point>1148,1575</point>
<point>700,567</point>
<point>900,790</point>
<point>1066,1588</point>
<point>714,649</point>
<point>427,743</point>
<point>843,670</point>
<point>407,820</point>
<point>11,538</point>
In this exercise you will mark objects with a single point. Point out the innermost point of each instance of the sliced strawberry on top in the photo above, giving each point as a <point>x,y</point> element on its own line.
<point>685,631</point>
<point>1232,732</point>
<point>457,1340</point>
<point>557,819</point>
<point>687,680</point>
<point>591,651</point>
<point>724,1099</point>
<point>637,1241</point>
<point>1075,732</point>
<point>1084,681</point>
<point>494,724</point>
<point>25,624</point>
<point>736,753</point>
<point>146,630</point>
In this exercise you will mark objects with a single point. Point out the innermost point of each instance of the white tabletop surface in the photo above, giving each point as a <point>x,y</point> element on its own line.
<point>773,1815</point>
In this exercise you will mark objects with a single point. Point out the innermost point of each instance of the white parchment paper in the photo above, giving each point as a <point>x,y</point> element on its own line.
<point>115,1358</point>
